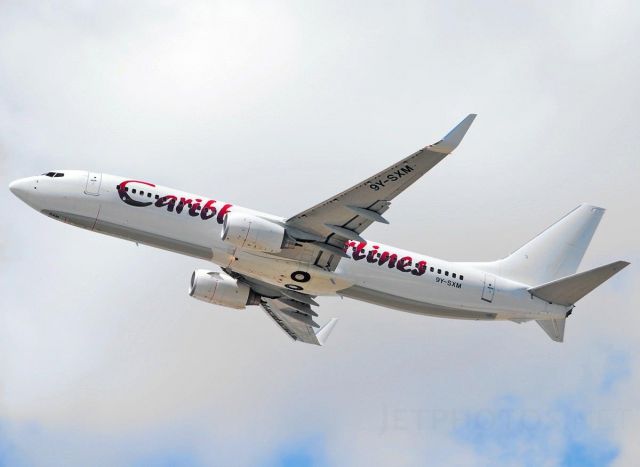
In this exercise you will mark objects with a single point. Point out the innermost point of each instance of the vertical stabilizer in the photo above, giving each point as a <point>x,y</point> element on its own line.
<point>556,252</point>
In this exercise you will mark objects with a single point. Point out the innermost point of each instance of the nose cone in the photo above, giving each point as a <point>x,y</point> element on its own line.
<point>20,188</point>
<point>26,189</point>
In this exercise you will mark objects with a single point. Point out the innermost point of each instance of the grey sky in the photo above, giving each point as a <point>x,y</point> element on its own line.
<point>276,106</point>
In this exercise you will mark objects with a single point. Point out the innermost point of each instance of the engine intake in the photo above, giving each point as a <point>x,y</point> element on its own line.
<point>254,233</point>
<point>221,289</point>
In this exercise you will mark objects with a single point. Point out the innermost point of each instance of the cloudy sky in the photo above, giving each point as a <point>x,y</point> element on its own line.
<point>104,358</point>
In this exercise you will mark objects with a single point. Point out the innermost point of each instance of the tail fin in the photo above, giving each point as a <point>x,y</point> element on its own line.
<point>556,252</point>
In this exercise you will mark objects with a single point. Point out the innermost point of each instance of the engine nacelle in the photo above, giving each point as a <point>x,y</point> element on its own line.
<point>221,289</point>
<point>254,233</point>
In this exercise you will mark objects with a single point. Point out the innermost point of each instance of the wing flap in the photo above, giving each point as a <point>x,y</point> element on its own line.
<point>296,324</point>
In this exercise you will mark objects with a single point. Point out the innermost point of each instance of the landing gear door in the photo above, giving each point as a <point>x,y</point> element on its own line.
<point>93,183</point>
<point>489,289</point>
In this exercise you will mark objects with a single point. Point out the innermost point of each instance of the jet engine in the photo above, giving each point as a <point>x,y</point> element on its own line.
<point>221,289</point>
<point>254,233</point>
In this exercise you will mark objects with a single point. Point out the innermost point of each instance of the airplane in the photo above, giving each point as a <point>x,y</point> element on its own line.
<point>284,263</point>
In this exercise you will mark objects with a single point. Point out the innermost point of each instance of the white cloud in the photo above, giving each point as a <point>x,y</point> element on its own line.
<point>250,101</point>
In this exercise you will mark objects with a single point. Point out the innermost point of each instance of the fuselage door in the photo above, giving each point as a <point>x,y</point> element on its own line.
<point>93,183</point>
<point>489,287</point>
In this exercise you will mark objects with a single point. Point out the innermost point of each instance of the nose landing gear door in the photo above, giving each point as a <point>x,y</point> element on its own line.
<point>93,183</point>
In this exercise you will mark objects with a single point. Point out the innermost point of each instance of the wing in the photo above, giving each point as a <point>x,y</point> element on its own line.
<point>295,318</point>
<point>290,310</point>
<point>328,225</point>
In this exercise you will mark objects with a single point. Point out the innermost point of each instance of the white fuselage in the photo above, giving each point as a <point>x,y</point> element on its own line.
<point>191,225</point>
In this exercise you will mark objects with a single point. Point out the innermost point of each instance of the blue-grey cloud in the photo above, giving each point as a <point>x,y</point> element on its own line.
<point>511,432</point>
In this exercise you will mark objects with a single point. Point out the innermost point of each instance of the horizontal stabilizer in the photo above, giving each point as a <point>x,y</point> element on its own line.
<point>553,327</point>
<point>568,290</point>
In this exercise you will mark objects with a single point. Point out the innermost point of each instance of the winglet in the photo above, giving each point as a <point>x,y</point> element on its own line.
<point>453,138</point>
<point>324,331</point>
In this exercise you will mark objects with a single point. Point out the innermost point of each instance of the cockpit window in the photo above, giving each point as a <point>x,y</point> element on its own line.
<point>58,175</point>
<point>54,174</point>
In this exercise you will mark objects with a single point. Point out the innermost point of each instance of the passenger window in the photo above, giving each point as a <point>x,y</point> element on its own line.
<point>431,269</point>
<point>157,196</point>
<point>117,187</point>
<point>453,275</point>
<point>148,195</point>
<point>126,188</point>
<point>134,190</point>
<point>461,277</point>
<point>446,273</point>
<point>141,193</point>
<point>439,271</point>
